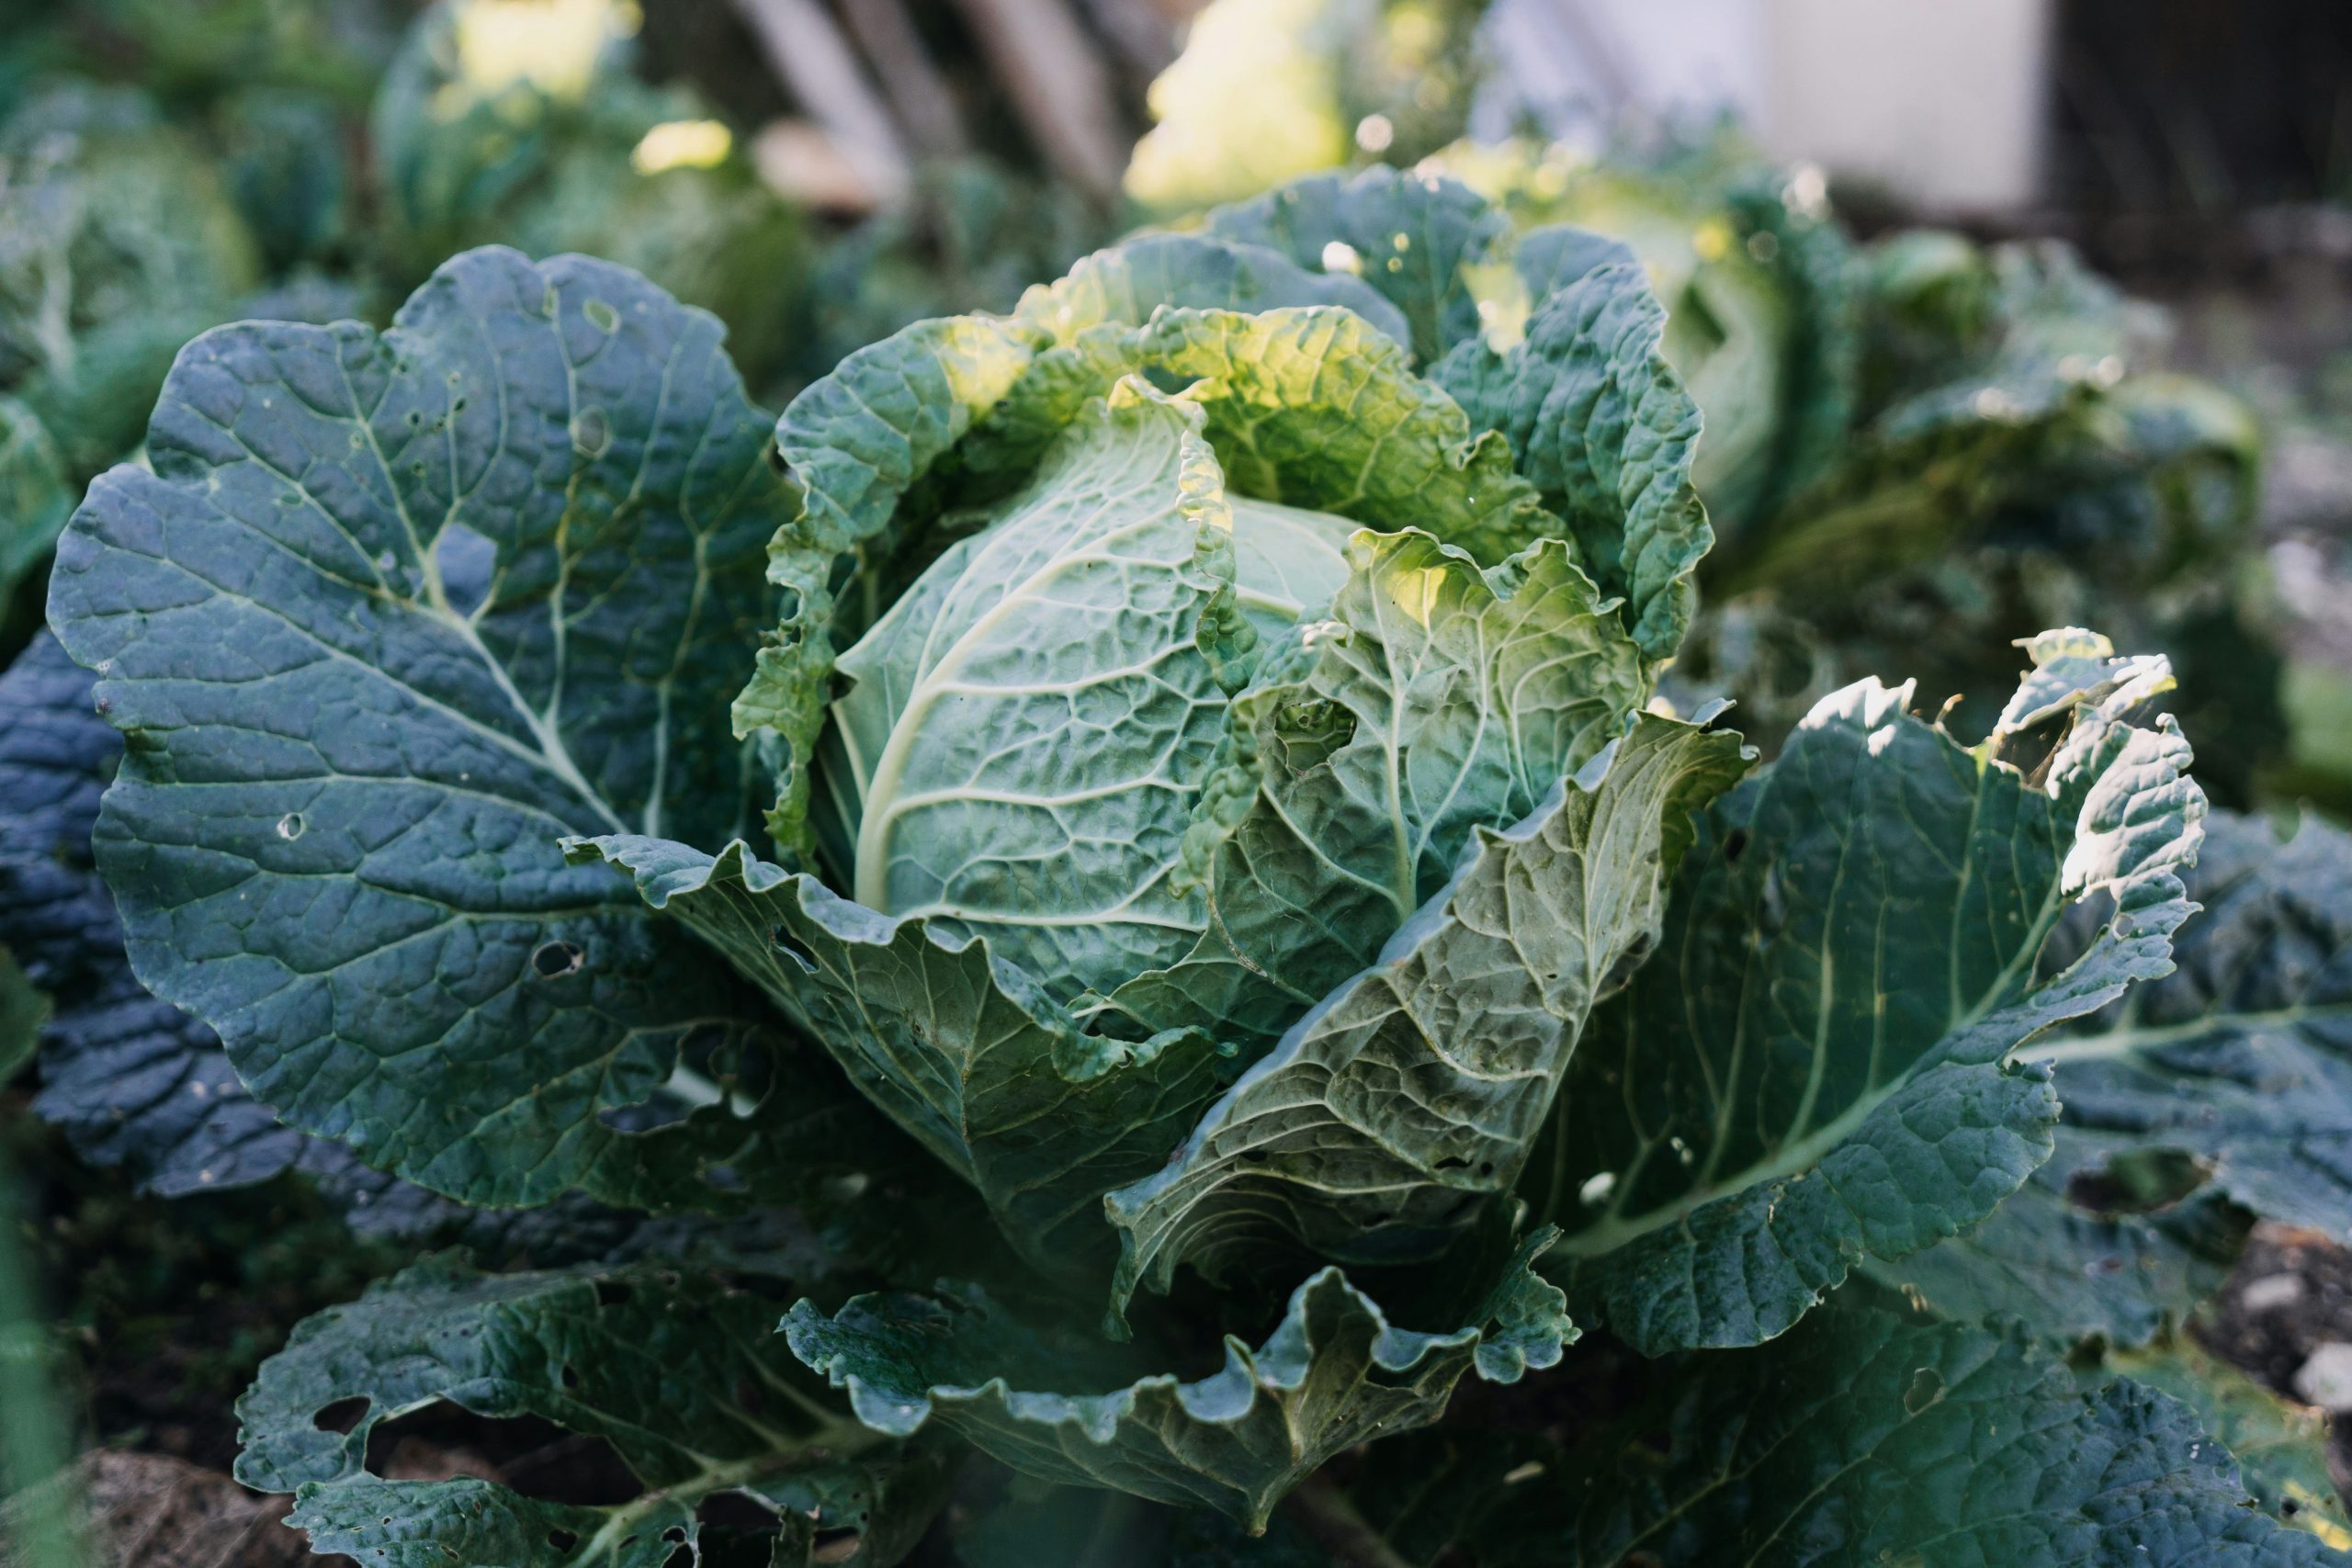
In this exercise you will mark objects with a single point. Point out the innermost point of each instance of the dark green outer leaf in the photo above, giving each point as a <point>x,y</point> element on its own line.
<point>2069,1272</point>
<point>1333,1373</point>
<point>391,615</point>
<point>1403,1101</point>
<point>2280,1447</point>
<point>2243,1057</point>
<point>132,1080</point>
<point>683,1376</point>
<point>1859,1440</point>
<point>1817,1065</point>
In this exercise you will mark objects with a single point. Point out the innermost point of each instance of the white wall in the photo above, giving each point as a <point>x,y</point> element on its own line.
<point>1943,99</point>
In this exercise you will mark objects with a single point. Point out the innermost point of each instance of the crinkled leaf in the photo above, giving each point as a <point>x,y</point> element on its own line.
<point>1399,1105</point>
<point>1025,724</point>
<point>2070,1269</point>
<point>1411,237</point>
<point>851,445</point>
<point>683,1375</point>
<point>2241,1057</point>
<point>1309,406</point>
<point>1859,1440</point>
<point>131,1079</point>
<point>391,615</point>
<point>1436,699</point>
<point>1600,424</point>
<point>1817,1067</point>
<point>1333,1373</point>
<point>970,1056</point>
<point>2280,1447</point>
<point>1130,280</point>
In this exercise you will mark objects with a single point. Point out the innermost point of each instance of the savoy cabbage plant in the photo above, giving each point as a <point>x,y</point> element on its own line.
<point>1117,884</point>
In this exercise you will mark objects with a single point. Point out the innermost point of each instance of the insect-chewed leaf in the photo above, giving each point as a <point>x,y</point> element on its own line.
<point>685,1378</point>
<point>1818,1066</point>
<point>2243,1057</point>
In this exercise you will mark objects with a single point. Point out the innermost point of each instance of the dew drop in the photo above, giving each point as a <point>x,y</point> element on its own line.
<point>1597,1189</point>
<point>291,825</point>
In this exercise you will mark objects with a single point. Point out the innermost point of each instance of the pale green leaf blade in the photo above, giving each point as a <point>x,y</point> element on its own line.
<point>682,1374</point>
<point>1188,271</point>
<point>1311,406</point>
<point>1026,726</point>
<point>392,615</point>
<point>969,1054</point>
<point>1435,700</point>
<point>853,443</point>
<point>1399,1105</point>
<point>1333,1373</point>
<point>1818,1067</point>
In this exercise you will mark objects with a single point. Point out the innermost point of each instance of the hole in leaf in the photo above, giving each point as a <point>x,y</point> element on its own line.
<point>1734,845</point>
<point>676,1534</point>
<point>612,1292</point>
<point>553,960</point>
<point>562,1540</point>
<point>793,948</point>
<point>1454,1162</point>
<point>342,1415</point>
<point>465,561</point>
<point>601,315</point>
<point>1927,1387</point>
<point>537,1458</point>
<point>2138,1181</point>
<point>570,1377</point>
<point>291,826</point>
